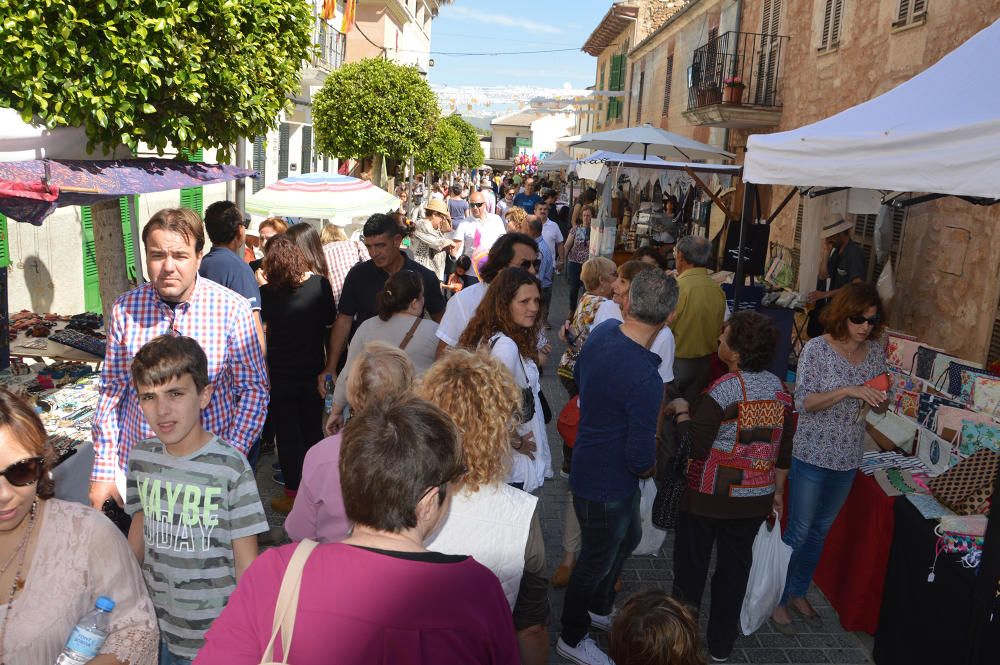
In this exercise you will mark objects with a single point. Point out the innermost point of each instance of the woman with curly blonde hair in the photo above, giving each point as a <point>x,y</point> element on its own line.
<point>508,322</point>
<point>490,520</point>
<point>517,220</point>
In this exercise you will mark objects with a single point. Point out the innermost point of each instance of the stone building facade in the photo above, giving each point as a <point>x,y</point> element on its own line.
<point>795,62</point>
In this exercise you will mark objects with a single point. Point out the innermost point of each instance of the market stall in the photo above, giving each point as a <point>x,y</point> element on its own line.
<point>935,135</point>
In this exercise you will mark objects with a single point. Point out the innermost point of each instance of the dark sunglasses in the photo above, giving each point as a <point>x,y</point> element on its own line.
<point>476,205</point>
<point>24,472</point>
<point>858,320</point>
<point>537,263</point>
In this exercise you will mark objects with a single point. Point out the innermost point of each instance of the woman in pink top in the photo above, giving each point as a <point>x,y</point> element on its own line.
<point>381,372</point>
<point>379,597</point>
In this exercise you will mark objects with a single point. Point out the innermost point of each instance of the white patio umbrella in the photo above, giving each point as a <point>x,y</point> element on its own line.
<point>648,140</point>
<point>338,198</point>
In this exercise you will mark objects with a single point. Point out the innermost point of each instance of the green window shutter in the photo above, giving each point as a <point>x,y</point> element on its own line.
<point>191,197</point>
<point>91,283</point>
<point>4,243</point>
<point>259,162</point>
<point>130,263</point>
<point>284,135</point>
<point>615,82</point>
<point>307,139</point>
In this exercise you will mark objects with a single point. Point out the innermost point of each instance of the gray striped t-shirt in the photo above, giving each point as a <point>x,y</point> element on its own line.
<point>194,507</point>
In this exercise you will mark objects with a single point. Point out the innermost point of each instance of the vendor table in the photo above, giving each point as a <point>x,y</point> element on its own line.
<point>851,571</point>
<point>925,622</point>
<point>53,350</point>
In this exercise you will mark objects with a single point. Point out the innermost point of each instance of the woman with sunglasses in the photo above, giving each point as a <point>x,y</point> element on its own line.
<point>57,558</point>
<point>508,323</point>
<point>829,395</point>
<point>379,596</point>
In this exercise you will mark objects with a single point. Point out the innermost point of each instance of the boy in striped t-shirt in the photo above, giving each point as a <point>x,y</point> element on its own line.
<point>193,499</point>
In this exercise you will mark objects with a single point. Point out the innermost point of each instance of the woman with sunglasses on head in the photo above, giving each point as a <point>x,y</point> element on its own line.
<point>508,322</point>
<point>829,396</point>
<point>58,558</point>
<point>493,522</point>
<point>378,596</point>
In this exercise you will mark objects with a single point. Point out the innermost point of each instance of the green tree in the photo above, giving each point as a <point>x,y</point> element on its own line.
<point>471,151</point>
<point>190,73</point>
<point>442,152</point>
<point>374,107</point>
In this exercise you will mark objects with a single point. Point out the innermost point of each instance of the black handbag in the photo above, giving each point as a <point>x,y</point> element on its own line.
<point>546,409</point>
<point>527,395</point>
<point>667,504</point>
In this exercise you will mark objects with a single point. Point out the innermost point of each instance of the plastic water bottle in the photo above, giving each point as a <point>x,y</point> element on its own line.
<point>328,405</point>
<point>89,635</point>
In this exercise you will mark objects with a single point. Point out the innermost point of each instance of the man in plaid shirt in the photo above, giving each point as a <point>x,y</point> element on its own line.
<point>176,301</point>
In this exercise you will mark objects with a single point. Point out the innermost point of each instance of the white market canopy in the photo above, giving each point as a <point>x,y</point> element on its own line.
<point>648,141</point>
<point>939,132</point>
<point>560,159</point>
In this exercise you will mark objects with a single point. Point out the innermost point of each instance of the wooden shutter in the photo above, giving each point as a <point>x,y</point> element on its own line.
<point>130,263</point>
<point>835,24</point>
<point>638,106</point>
<point>827,19</point>
<point>191,197</point>
<point>259,162</point>
<point>616,79</point>
<point>770,17</point>
<point>283,134</point>
<point>910,11</point>
<point>4,243</point>
<point>667,83</point>
<point>91,282</point>
<point>919,8</point>
<point>307,139</point>
<point>904,12</point>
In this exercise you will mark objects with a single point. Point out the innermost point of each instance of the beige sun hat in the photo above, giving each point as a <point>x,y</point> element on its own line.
<point>437,205</point>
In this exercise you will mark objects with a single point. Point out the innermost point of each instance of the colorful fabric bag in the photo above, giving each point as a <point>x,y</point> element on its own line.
<point>928,406</point>
<point>985,394</point>
<point>933,451</point>
<point>966,488</point>
<point>960,380</point>
<point>923,362</point>
<point>899,350</point>
<point>891,431</point>
<point>978,436</point>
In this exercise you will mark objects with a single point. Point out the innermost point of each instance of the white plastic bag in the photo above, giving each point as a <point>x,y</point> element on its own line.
<point>767,577</point>
<point>886,283</point>
<point>652,538</point>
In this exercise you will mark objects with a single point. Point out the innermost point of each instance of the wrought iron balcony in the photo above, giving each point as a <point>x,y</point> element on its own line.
<point>331,45</point>
<point>734,81</point>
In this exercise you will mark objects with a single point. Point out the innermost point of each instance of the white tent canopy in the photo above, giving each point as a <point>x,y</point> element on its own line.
<point>939,132</point>
<point>592,167</point>
<point>647,141</point>
<point>560,159</point>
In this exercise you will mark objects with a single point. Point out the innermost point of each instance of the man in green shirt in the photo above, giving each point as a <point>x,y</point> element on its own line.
<point>697,321</point>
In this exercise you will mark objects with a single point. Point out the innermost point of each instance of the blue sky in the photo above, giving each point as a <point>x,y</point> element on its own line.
<point>515,25</point>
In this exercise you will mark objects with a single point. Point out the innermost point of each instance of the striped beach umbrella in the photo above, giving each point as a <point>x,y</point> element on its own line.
<point>338,198</point>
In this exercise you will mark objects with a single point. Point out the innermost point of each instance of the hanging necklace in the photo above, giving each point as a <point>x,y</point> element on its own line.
<point>18,582</point>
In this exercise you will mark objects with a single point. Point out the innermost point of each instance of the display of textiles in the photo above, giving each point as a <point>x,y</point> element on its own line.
<point>978,436</point>
<point>928,407</point>
<point>928,506</point>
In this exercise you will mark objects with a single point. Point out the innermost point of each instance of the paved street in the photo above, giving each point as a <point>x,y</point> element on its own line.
<point>828,643</point>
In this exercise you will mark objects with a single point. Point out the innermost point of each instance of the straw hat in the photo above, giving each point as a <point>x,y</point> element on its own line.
<point>834,228</point>
<point>437,205</point>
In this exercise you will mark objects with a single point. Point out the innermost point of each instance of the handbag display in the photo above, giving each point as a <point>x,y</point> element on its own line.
<point>985,395</point>
<point>891,431</point>
<point>966,487</point>
<point>287,605</point>
<point>950,419</point>
<point>933,451</point>
<point>899,350</point>
<point>928,406</point>
<point>960,380</point>
<point>978,436</point>
<point>923,362</point>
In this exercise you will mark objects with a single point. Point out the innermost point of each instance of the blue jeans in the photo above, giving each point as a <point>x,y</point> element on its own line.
<point>815,497</point>
<point>573,270</point>
<point>167,658</point>
<point>609,531</point>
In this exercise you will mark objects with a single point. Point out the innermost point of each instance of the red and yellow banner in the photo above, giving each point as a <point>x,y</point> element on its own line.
<point>350,11</point>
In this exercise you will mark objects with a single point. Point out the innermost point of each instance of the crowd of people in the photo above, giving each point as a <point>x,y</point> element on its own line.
<point>409,419</point>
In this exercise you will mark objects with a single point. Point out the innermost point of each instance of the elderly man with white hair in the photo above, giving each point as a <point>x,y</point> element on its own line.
<point>478,232</point>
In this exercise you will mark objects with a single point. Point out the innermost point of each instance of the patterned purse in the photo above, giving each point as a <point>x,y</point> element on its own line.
<point>966,487</point>
<point>960,380</point>
<point>899,350</point>
<point>985,395</point>
<point>923,362</point>
<point>927,409</point>
<point>979,436</point>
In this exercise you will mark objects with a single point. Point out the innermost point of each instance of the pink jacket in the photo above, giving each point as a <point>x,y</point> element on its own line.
<point>319,507</point>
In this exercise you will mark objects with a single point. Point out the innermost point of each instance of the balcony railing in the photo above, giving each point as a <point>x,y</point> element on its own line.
<point>502,152</point>
<point>331,45</point>
<point>737,68</point>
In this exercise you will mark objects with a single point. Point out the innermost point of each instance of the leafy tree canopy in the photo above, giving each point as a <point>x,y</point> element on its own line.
<point>443,151</point>
<point>471,151</point>
<point>191,73</point>
<point>374,107</point>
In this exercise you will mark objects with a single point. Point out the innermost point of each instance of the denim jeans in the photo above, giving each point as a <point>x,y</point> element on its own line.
<point>815,497</point>
<point>609,531</point>
<point>573,270</point>
<point>167,658</point>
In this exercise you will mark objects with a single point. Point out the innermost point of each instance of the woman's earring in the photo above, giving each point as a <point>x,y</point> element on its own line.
<point>49,474</point>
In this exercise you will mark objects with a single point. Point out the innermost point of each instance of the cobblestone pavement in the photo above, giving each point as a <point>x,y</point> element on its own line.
<point>827,643</point>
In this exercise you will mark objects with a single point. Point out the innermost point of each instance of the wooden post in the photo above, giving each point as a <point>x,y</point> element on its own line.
<point>109,251</point>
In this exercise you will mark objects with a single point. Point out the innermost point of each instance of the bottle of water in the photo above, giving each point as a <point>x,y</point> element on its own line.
<point>328,405</point>
<point>89,635</point>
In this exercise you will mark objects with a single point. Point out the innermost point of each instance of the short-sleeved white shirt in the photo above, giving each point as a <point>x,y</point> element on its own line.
<point>459,311</point>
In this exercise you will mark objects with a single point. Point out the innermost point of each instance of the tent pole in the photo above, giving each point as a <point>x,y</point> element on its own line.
<point>740,278</point>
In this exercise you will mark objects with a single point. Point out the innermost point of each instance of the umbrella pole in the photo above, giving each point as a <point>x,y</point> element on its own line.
<point>740,277</point>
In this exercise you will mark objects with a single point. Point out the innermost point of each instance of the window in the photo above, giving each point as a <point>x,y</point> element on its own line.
<point>638,104</point>
<point>666,84</point>
<point>864,235</point>
<point>910,11</point>
<point>770,17</point>
<point>833,16</point>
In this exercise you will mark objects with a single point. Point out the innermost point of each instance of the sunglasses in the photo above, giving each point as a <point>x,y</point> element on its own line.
<point>476,205</point>
<point>537,263</point>
<point>24,472</point>
<point>858,320</point>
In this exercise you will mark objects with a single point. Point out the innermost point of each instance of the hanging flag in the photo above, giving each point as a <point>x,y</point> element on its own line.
<point>350,9</point>
<point>329,9</point>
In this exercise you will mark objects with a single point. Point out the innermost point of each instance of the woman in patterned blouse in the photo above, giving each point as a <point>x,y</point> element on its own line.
<point>829,396</point>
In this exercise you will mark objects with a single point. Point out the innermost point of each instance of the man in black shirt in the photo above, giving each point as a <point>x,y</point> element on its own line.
<point>382,237</point>
<point>842,263</point>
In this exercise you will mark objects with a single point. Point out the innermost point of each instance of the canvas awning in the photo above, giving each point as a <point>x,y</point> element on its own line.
<point>46,184</point>
<point>938,132</point>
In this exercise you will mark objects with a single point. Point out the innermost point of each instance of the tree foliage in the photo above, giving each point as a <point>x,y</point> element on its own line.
<point>373,107</point>
<point>442,152</point>
<point>191,73</point>
<point>471,151</point>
